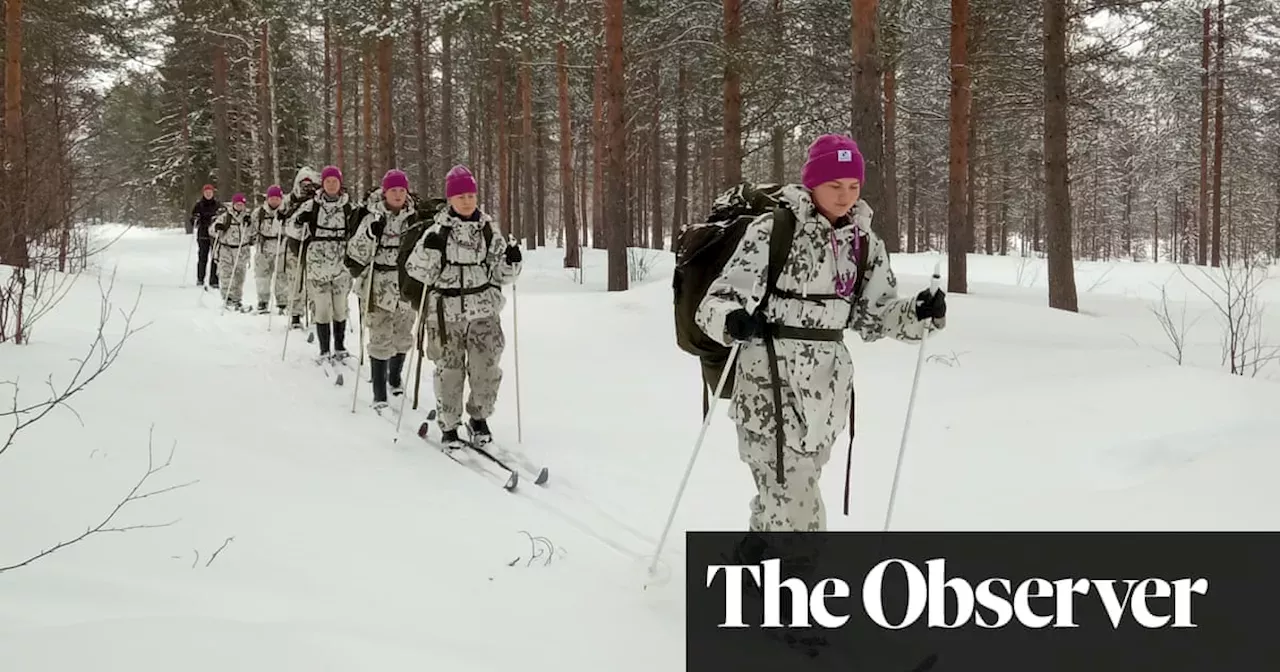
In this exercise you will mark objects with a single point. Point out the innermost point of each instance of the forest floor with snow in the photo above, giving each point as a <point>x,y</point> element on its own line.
<point>305,538</point>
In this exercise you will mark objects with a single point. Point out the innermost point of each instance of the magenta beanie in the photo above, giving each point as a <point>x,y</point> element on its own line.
<point>832,157</point>
<point>330,171</point>
<point>395,179</point>
<point>459,181</point>
<point>275,190</point>
<point>238,198</point>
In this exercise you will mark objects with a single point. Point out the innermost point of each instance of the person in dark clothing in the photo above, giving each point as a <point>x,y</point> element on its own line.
<point>201,218</point>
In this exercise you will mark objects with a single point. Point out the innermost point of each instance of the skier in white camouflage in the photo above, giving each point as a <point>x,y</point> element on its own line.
<point>463,260</point>
<point>233,236</point>
<point>305,184</point>
<point>269,275</point>
<point>805,319</point>
<point>376,243</point>
<point>323,225</point>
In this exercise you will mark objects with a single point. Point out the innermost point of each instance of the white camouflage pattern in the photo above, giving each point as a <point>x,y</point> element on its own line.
<point>234,251</point>
<point>817,377</point>
<point>465,245</point>
<point>390,318</point>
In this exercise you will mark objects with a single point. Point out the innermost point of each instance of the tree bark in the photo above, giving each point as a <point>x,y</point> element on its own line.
<point>526,151</point>
<point>958,165</point>
<point>1218,139</point>
<point>447,113</point>
<point>1057,195</point>
<point>13,233</point>
<point>420,96</point>
<point>1202,243</point>
<point>328,83</point>
<point>868,125</point>
<point>221,122</point>
<point>386,128</point>
<point>732,94</point>
<point>655,162</point>
<point>264,101</point>
<point>367,100</point>
<point>572,252</point>
<point>338,135</point>
<point>615,95</point>
<point>504,168</point>
<point>598,151</point>
<point>680,218</point>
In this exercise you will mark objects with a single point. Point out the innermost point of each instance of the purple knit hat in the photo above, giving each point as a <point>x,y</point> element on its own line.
<point>459,181</point>
<point>238,198</point>
<point>832,157</point>
<point>275,190</point>
<point>330,171</point>
<point>395,179</point>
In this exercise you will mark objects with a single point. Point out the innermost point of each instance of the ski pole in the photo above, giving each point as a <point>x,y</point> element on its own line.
<point>275,273</point>
<point>186,268</point>
<point>915,385</point>
<point>298,296</point>
<point>515,346</point>
<point>235,266</point>
<point>418,325</point>
<point>697,446</point>
<point>364,319</point>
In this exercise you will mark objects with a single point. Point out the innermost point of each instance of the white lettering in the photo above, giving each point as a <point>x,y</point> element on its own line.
<point>1182,589</point>
<point>732,590</point>
<point>873,594</point>
<point>1022,602</point>
<point>988,599</point>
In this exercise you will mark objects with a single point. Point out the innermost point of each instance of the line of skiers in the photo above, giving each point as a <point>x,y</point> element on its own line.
<point>437,263</point>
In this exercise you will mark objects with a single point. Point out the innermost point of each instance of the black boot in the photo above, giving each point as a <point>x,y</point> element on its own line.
<point>478,429</point>
<point>296,322</point>
<point>450,439</point>
<point>379,369</point>
<point>395,368</point>
<point>324,331</point>
<point>262,307</point>
<point>339,338</point>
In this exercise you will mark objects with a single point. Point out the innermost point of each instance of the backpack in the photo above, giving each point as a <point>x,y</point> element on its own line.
<point>703,249</point>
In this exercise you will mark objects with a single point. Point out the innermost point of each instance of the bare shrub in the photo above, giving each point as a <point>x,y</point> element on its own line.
<point>640,262</point>
<point>102,353</point>
<point>1233,290</point>
<point>1175,327</point>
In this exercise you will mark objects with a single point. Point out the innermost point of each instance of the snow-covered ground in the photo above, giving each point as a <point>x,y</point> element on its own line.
<point>311,541</point>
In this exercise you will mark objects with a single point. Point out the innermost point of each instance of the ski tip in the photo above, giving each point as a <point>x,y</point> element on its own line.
<point>512,482</point>
<point>431,414</point>
<point>542,477</point>
<point>424,429</point>
<point>339,379</point>
<point>311,338</point>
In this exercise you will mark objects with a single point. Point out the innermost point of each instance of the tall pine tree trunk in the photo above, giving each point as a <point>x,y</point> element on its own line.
<point>367,101</point>
<point>386,129</point>
<point>265,106</point>
<point>328,84</point>
<point>1202,249</point>
<point>680,217</point>
<point>958,166</point>
<point>616,146</point>
<point>1057,195</point>
<point>13,222</point>
<point>526,133</point>
<point>221,121</point>
<point>867,123</point>
<point>572,252</point>
<point>1218,139</point>
<point>338,136</point>
<point>419,95</point>
<point>732,94</point>
<point>504,152</point>
<point>598,155</point>
<point>447,153</point>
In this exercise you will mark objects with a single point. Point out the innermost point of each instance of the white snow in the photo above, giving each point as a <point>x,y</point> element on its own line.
<point>351,552</point>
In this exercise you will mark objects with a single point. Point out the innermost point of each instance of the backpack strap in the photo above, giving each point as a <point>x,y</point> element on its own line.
<point>781,237</point>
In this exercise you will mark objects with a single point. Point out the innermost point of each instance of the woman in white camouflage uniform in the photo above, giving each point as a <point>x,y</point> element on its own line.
<point>463,260</point>
<point>233,235</point>
<point>323,225</point>
<point>806,318</point>
<point>376,242</point>
<point>268,266</point>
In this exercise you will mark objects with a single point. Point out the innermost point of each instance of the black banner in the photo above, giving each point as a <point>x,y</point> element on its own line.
<point>989,602</point>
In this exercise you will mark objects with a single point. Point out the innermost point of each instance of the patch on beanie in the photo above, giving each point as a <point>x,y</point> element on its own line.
<point>844,155</point>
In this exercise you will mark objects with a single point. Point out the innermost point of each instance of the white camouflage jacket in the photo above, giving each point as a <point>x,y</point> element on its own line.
<point>364,249</point>
<point>817,376</point>
<point>466,277</point>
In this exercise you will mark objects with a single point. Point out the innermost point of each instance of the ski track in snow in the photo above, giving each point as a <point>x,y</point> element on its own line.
<point>348,545</point>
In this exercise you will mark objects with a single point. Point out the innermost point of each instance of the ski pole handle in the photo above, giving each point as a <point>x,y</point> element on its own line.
<point>936,282</point>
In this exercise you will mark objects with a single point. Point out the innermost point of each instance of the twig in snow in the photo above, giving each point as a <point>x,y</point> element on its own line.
<point>107,523</point>
<point>215,553</point>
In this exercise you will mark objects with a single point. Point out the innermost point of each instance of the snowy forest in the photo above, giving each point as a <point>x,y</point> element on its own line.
<point>1072,129</point>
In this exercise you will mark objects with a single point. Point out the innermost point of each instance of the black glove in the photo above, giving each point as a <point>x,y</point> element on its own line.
<point>513,254</point>
<point>433,241</point>
<point>377,227</point>
<point>741,325</point>
<point>221,226</point>
<point>931,305</point>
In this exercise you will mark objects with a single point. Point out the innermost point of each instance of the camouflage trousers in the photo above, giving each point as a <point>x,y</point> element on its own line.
<point>231,271</point>
<point>390,333</point>
<point>794,506</point>
<point>295,291</point>
<point>264,267</point>
<point>329,298</point>
<point>466,352</point>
